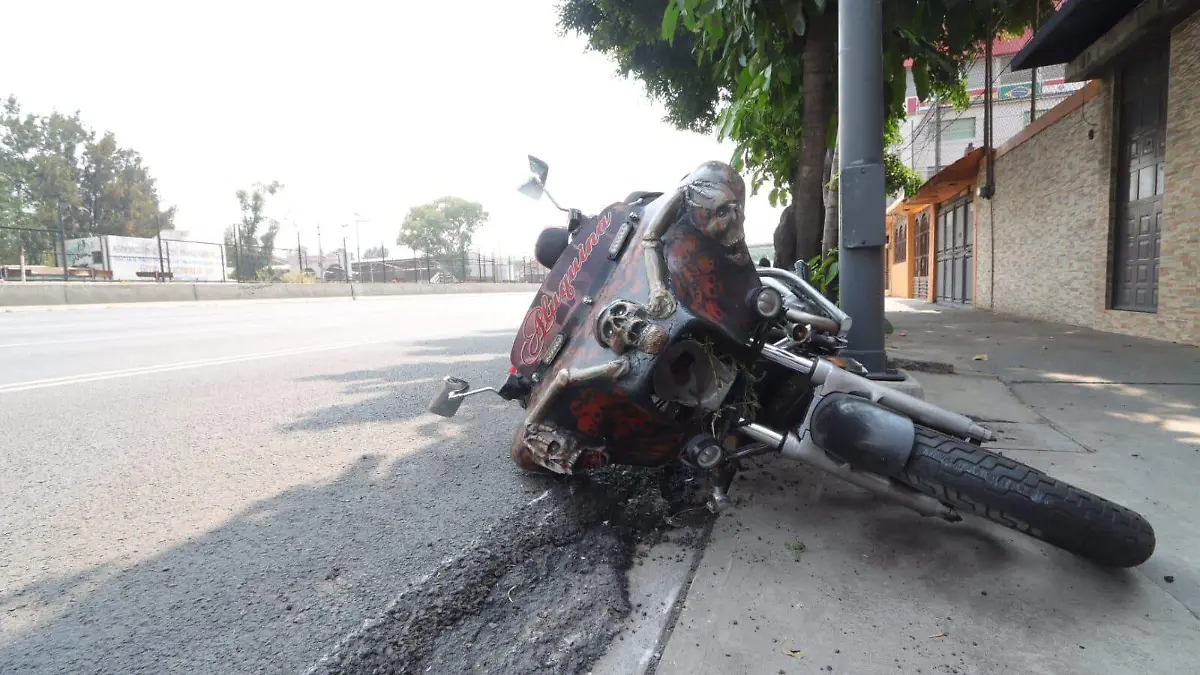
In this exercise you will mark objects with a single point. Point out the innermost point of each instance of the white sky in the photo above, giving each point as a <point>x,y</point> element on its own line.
<point>356,107</point>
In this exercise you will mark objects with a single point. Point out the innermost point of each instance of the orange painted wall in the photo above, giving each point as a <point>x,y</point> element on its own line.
<point>901,283</point>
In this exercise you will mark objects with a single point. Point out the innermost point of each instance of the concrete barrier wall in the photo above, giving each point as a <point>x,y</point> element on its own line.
<point>366,290</point>
<point>91,293</point>
<point>15,294</point>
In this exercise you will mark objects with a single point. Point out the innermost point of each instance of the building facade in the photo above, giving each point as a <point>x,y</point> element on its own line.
<point>1094,210</point>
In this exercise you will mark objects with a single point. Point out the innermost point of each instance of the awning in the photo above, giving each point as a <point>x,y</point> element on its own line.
<point>1071,30</point>
<point>945,184</point>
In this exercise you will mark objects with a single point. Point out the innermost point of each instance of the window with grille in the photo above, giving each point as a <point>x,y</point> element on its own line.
<point>900,241</point>
<point>961,129</point>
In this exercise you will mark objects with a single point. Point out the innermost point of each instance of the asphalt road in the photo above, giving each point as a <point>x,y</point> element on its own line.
<point>233,487</point>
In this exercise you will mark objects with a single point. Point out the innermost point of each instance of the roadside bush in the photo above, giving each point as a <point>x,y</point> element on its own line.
<point>298,278</point>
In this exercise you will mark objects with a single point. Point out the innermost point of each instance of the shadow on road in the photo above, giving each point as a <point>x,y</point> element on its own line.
<point>278,584</point>
<point>402,391</point>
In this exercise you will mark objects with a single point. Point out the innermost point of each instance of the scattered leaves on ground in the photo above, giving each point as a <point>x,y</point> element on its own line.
<point>797,548</point>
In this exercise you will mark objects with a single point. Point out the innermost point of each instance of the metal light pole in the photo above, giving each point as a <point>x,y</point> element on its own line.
<point>862,191</point>
<point>358,242</point>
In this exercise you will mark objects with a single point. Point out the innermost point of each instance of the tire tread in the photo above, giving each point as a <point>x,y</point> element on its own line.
<point>1005,491</point>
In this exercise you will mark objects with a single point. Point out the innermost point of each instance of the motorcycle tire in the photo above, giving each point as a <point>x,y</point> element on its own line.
<point>974,480</point>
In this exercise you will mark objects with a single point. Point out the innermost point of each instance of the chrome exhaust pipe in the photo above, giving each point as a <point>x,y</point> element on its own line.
<point>804,450</point>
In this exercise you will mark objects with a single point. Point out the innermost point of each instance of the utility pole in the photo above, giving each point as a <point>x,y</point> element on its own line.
<point>237,252</point>
<point>320,252</point>
<point>1033,78</point>
<point>861,179</point>
<point>62,233</point>
<point>346,253</point>
<point>937,136</point>
<point>162,273</point>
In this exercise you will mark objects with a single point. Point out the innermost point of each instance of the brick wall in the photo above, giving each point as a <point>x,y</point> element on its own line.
<point>1050,219</point>
<point>1179,272</point>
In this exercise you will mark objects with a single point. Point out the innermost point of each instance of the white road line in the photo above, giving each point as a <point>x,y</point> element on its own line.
<point>117,336</point>
<point>182,365</point>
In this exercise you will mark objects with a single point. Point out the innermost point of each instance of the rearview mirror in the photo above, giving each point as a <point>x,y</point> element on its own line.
<point>535,185</point>
<point>450,397</point>
<point>532,188</point>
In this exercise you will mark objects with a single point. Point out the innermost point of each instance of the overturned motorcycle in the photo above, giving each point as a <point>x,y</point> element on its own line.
<point>655,339</point>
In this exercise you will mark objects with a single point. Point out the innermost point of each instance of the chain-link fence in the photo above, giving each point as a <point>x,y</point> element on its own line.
<point>936,134</point>
<point>39,255</point>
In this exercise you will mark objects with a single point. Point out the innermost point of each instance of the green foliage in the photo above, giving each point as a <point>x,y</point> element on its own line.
<point>758,47</point>
<point>376,252</point>
<point>55,166</point>
<point>901,179</point>
<point>797,548</point>
<point>823,274</point>
<point>444,226</point>
<point>250,242</point>
<point>737,67</point>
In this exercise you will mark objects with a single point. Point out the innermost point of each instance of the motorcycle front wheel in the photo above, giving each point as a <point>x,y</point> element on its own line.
<point>1004,491</point>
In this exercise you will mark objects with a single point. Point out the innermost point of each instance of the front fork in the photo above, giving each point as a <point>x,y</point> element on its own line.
<point>799,443</point>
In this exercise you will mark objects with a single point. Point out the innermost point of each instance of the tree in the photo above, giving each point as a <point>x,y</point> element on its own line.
<point>376,252</point>
<point>772,66</point>
<point>53,167</point>
<point>442,227</point>
<point>250,242</point>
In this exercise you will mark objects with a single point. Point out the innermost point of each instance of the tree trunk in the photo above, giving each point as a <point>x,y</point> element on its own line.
<point>820,50</point>
<point>829,241</point>
<point>785,240</point>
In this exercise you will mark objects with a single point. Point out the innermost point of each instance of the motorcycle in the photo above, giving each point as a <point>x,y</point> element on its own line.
<point>655,339</point>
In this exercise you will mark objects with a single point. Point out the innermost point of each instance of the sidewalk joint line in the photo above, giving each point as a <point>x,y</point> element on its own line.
<point>668,630</point>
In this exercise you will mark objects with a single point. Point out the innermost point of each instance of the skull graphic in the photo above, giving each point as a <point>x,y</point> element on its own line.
<point>625,325</point>
<point>716,201</point>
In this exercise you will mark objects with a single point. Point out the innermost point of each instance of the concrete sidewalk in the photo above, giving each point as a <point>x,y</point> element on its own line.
<point>808,574</point>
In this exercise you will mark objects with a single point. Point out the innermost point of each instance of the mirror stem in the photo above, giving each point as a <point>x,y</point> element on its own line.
<point>551,198</point>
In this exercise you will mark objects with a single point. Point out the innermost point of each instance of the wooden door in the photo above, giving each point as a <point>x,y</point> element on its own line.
<point>1142,165</point>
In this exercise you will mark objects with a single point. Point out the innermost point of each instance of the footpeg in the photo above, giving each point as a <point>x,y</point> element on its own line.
<point>451,395</point>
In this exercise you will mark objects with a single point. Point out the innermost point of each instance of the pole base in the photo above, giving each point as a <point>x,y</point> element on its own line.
<point>875,361</point>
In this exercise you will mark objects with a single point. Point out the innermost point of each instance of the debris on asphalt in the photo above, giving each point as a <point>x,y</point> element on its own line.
<point>980,357</point>
<point>937,635</point>
<point>576,565</point>
<point>1169,579</point>
<point>797,548</point>
<point>794,653</point>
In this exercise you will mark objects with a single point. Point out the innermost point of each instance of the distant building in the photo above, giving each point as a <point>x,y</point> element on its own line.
<point>935,136</point>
